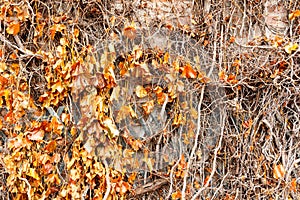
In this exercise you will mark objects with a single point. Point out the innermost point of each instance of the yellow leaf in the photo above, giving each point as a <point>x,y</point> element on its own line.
<point>140,91</point>
<point>148,107</point>
<point>176,195</point>
<point>178,120</point>
<point>108,123</point>
<point>33,174</point>
<point>57,86</point>
<point>294,14</point>
<point>13,28</point>
<point>2,66</point>
<point>291,47</point>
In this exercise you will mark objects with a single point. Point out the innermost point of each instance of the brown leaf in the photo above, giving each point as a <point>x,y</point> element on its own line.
<point>148,107</point>
<point>130,32</point>
<point>51,146</point>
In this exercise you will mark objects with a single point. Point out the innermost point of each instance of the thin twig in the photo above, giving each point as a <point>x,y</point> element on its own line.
<point>214,161</point>
<point>29,187</point>
<point>108,184</point>
<point>195,144</point>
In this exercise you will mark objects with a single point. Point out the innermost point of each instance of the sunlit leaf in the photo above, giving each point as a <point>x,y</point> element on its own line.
<point>189,72</point>
<point>36,134</point>
<point>13,28</point>
<point>176,195</point>
<point>2,67</point>
<point>140,91</point>
<point>51,146</point>
<point>32,172</point>
<point>294,14</point>
<point>112,128</point>
<point>291,47</point>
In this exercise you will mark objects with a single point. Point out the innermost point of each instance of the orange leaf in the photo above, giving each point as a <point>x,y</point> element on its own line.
<point>232,79</point>
<point>132,177</point>
<point>53,178</point>
<point>222,75</point>
<point>189,72</point>
<point>13,28</point>
<point>294,14</point>
<point>232,39</point>
<point>294,185</point>
<point>51,146</point>
<point>148,107</point>
<point>176,195</point>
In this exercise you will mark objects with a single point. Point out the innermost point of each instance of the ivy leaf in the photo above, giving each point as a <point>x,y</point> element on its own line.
<point>13,28</point>
<point>291,47</point>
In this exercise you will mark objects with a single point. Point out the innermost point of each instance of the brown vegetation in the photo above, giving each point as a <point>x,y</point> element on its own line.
<point>149,99</point>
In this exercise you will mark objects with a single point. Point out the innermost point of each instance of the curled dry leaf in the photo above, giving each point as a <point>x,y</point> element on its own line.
<point>189,72</point>
<point>36,135</point>
<point>148,107</point>
<point>130,31</point>
<point>124,112</point>
<point>140,91</point>
<point>112,128</point>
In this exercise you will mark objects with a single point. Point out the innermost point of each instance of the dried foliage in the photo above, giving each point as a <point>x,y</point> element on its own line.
<point>149,99</point>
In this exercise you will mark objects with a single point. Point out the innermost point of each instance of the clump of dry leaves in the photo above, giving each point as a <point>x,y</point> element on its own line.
<point>92,107</point>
